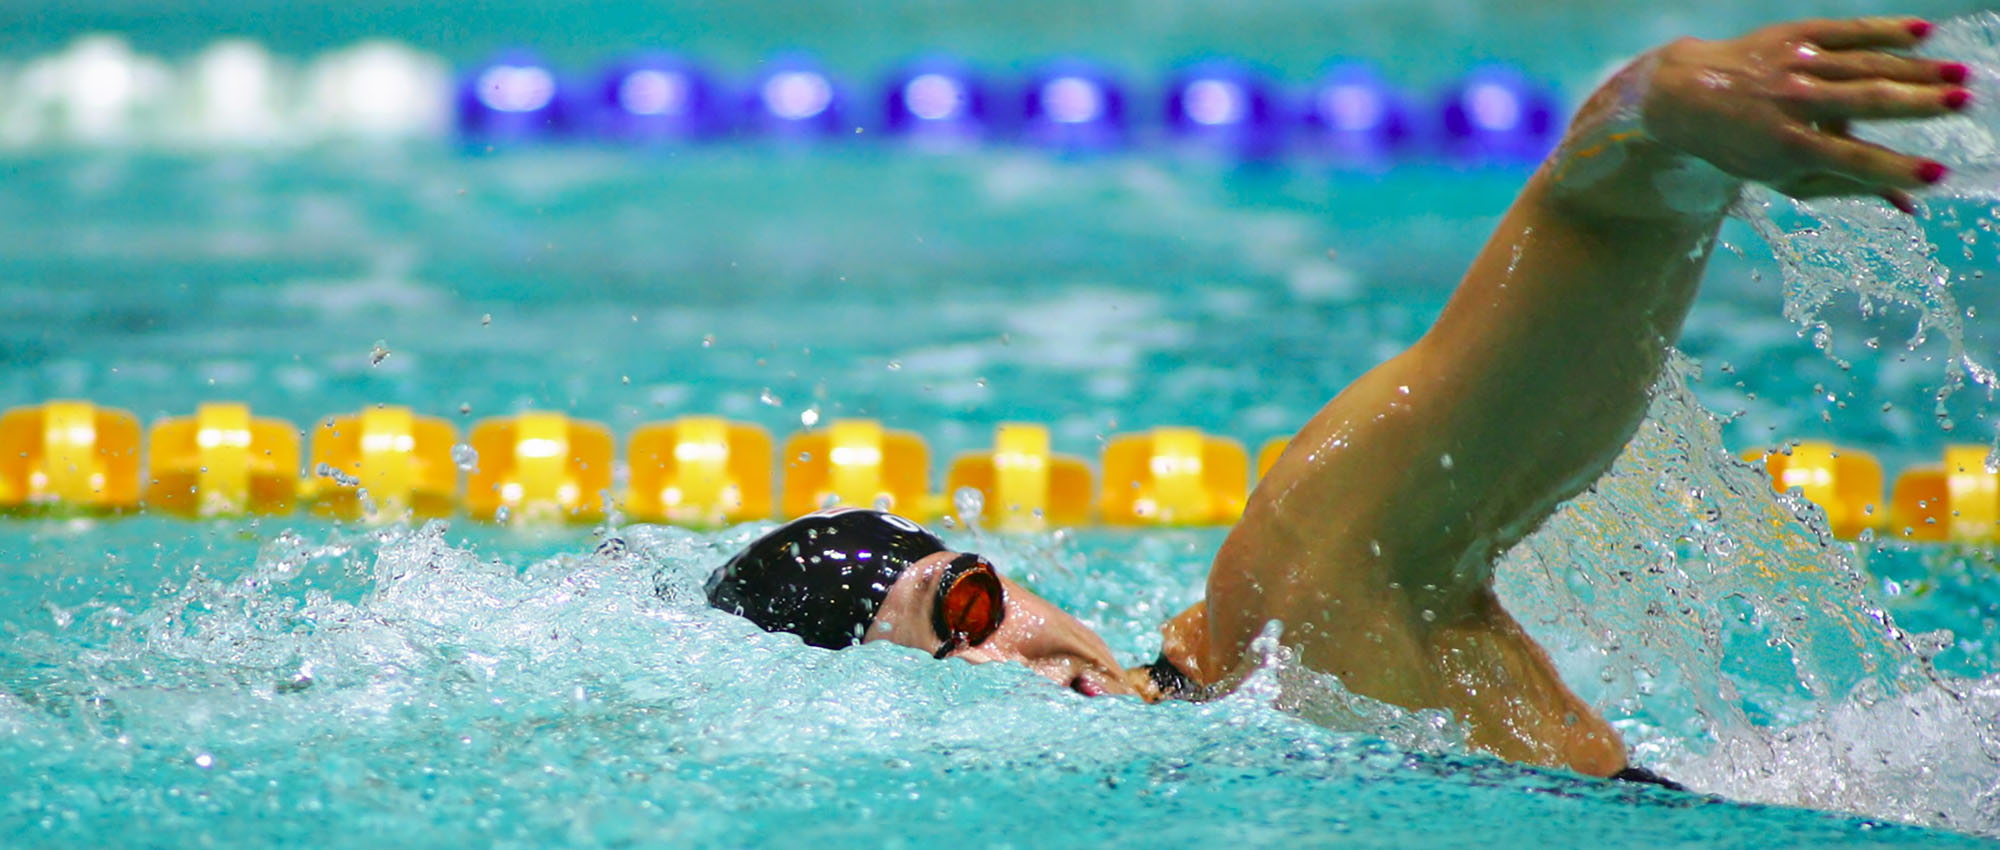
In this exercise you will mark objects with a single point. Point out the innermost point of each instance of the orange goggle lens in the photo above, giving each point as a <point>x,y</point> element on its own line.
<point>970,603</point>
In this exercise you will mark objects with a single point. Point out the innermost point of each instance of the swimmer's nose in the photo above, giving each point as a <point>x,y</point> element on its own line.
<point>1054,644</point>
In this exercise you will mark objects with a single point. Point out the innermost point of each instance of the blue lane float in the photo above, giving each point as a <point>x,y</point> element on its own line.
<point>1074,106</point>
<point>795,100</point>
<point>937,100</point>
<point>515,97</point>
<point>657,98</point>
<point>1495,113</point>
<point>1352,115</point>
<point>1227,107</point>
<point>1348,117</point>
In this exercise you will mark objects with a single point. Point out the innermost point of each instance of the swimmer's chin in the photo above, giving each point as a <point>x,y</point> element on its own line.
<point>1136,682</point>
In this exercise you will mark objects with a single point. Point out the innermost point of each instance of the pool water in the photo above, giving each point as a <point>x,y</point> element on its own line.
<point>246,683</point>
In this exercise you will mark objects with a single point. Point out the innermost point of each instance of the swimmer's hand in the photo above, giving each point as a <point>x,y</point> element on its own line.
<point>1773,106</point>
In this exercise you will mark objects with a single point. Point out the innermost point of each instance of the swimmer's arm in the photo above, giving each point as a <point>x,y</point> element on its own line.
<point>1374,536</point>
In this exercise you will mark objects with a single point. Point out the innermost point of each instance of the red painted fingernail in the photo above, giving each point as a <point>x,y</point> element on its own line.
<point>1956,99</point>
<point>1920,28</point>
<point>1954,72</point>
<point>1931,171</point>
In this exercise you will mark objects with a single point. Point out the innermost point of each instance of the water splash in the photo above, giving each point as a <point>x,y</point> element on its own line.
<point>589,695</point>
<point>1834,250</point>
<point>1720,626</point>
<point>1731,638</point>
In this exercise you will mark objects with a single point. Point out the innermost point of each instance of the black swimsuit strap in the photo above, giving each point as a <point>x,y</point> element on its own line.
<point>1634,773</point>
<point>1172,681</point>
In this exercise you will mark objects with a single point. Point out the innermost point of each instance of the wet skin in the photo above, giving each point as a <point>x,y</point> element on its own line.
<point>1033,632</point>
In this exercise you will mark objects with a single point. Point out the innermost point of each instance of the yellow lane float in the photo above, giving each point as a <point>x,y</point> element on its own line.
<point>401,461</point>
<point>1023,486</point>
<point>699,470</point>
<point>222,462</point>
<point>1846,483</point>
<point>858,463</point>
<point>1174,476</point>
<point>1267,456</point>
<point>1958,500</point>
<point>69,456</point>
<point>539,467</point>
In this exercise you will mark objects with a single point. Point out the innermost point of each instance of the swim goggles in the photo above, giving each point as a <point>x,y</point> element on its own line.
<point>970,604</point>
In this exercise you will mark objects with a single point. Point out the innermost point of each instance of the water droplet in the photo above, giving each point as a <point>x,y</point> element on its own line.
<point>809,417</point>
<point>486,319</point>
<point>967,503</point>
<point>708,341</point>
<point>466,457</point>
<point>769,398</point>
<point>464,409</point>
<point>329,471</point>
<point>1444,460</point>
<point>379,353</point>
<point>204,761</point>
<point>895,365</point>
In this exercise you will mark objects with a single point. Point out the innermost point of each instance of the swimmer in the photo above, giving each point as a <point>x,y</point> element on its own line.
<point>1374,537</point>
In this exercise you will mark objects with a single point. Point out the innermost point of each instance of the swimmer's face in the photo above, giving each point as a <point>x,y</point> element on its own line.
<point>1032,631</point>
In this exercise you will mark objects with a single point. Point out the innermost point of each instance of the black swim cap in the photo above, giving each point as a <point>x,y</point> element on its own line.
<point>821,576</point>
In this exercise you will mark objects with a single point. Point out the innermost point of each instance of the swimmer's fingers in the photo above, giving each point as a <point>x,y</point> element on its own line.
<point>1871,65</point>
<point>1840,99</point>
<point>1899,199</point>
<point>1852,166</point>
<point>1827,186</point>
<point>1853,33</point>
<point>1830,186</point>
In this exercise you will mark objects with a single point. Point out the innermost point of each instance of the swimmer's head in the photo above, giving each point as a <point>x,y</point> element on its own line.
<point>845,576</point>
<point>821,576</point>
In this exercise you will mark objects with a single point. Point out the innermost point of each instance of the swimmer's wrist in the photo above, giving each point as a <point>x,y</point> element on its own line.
<point>1612,155</point>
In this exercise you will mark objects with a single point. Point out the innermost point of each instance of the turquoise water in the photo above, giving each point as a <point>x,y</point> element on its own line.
<point>173,683</point>
<point>245,683</point>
